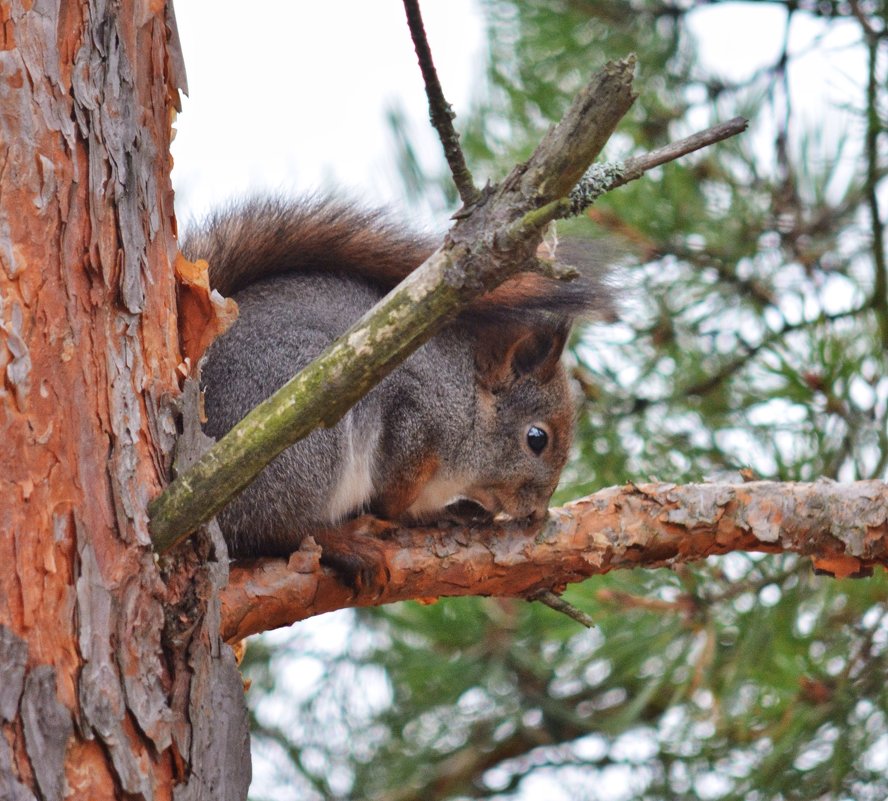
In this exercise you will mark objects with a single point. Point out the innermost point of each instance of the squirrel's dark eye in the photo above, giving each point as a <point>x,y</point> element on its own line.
<point>537,439</point>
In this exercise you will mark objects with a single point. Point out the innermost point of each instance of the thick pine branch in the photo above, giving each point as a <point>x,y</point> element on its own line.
<point>843,527</point>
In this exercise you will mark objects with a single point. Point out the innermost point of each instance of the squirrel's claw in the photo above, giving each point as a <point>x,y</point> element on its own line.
<point>356,558</point>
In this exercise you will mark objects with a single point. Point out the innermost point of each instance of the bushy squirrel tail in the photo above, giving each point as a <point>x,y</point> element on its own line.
<point>248,241</point>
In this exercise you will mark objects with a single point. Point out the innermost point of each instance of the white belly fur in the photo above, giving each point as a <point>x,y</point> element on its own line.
<point>438,493</point>
<point>355,485</point>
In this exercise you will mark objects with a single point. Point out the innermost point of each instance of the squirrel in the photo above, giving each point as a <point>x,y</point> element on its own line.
<point>476,423</point>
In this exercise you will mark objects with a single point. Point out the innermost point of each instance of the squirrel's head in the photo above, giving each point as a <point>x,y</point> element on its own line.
<point>524,420</point>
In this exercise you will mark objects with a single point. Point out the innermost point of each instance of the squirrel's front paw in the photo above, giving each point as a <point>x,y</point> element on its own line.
<point>358,560</point>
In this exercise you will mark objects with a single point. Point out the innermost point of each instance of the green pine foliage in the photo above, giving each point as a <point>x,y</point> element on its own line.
<point>753,335</point>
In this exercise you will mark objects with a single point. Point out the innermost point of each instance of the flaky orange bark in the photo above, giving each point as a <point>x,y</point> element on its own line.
<point>843,526</point>
<point>89,704</point>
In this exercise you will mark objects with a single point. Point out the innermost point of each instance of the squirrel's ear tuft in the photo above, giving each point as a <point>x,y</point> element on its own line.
<point>506,353</point>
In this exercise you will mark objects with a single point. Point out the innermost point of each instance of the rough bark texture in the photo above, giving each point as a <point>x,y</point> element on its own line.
<point>844,527</point>
<point>95,697</point>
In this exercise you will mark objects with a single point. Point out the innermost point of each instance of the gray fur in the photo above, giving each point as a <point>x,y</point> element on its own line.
<point>285,323</point>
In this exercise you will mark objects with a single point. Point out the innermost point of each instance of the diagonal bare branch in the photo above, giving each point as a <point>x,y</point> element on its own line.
<point>441,114</point>
<point>601,178</point>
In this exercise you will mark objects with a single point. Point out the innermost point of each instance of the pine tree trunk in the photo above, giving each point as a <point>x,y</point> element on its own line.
<point>113,681</point>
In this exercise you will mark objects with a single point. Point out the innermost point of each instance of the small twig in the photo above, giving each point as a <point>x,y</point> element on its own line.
<point>637,166</point>
<point>558,603</point>
<point>869,31</point>
<point>441,114</point>
<point>601,178</point>
<point>873,132</point>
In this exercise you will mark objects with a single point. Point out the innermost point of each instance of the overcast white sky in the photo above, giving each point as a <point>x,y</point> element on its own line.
<point>290,95</point>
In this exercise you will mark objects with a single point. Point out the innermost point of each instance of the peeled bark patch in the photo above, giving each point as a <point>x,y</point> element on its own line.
<point>13,657</point>
<point>48,727</point>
